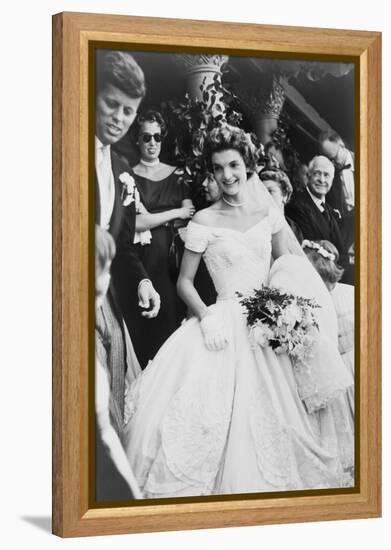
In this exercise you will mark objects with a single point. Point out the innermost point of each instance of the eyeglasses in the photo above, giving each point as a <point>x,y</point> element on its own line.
<point>147,137</point>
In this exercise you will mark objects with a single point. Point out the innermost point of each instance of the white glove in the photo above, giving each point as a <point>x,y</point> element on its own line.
<point>215,338</point>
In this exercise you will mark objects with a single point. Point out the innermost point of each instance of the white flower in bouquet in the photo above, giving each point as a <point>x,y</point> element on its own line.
<point>291,346</point>
<point>299,349</point>
<point>271,306</point>
<point>282,331</point>
<point>292,315</point>
<point>282,348</point>
<point>260,334</point>
<point>307,317</point>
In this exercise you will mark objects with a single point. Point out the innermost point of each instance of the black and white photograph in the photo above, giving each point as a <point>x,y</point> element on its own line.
<point>224,274</point>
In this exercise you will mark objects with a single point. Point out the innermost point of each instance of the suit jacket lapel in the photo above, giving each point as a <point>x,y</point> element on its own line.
<point>335,232</point>
<point>318,217</point>
<point>329,229</point>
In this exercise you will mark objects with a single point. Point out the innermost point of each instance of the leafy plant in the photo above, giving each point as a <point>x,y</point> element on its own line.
<point>189,121</point>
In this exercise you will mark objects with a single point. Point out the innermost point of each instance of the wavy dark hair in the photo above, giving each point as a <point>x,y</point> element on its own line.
<point>231,137</point>
<point>121,70</point>
<point>150,116</point>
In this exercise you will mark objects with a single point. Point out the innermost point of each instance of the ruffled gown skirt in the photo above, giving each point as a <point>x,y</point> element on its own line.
<point>223,422</point>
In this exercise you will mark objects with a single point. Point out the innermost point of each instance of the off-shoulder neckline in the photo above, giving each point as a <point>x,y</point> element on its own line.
<point>231,229</point>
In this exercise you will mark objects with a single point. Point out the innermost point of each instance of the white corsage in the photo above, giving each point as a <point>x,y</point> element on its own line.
<point>128,188</point>
<point>130,194</point>
<point>141,237</point>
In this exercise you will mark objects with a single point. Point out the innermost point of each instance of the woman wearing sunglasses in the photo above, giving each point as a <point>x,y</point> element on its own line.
<point>167,205</point>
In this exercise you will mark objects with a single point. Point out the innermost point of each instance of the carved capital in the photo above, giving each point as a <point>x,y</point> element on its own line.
<point>262,102</point>
<point>191,64</point>
<point>272,101</point>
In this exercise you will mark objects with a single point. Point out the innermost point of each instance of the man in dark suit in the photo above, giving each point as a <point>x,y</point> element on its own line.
<point>120,88</point>
<point>311,210</point>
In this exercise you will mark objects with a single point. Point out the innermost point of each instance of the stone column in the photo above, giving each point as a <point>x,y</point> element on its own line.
<point>266,120</point>
<point>263,105</point>
<point>201,70</point>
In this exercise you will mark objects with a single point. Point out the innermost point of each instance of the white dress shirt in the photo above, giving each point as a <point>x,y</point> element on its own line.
<point>318,202</point>
<point>105,181</point>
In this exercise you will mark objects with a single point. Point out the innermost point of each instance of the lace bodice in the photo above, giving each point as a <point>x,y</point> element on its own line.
<point>237,261</point>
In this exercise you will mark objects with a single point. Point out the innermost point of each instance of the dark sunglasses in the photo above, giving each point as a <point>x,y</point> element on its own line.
<point>147,137</point>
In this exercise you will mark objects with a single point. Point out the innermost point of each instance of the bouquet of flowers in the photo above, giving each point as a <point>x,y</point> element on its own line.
<point>283,321</point>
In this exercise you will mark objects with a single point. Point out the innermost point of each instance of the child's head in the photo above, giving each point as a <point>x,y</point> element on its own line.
<point>324,257</point>
<point>104,254</point>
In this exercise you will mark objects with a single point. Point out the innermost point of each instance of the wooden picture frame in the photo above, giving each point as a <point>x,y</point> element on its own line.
<point>72,341</point>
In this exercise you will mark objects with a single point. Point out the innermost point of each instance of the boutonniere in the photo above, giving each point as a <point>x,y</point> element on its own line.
<point>128,188</point>
<point>337,213</point>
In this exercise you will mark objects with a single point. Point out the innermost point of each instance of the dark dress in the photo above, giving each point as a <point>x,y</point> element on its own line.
<point>148,335</point>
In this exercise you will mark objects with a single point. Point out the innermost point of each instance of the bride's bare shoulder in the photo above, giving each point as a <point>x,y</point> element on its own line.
<point>207,216</point>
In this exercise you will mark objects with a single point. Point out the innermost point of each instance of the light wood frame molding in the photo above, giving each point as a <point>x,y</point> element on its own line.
<point>72,33</point>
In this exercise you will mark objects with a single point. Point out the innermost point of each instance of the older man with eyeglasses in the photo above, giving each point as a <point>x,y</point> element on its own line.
<point>311,210</point>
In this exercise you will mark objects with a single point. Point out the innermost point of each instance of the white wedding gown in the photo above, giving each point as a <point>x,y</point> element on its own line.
<point>231,421</point>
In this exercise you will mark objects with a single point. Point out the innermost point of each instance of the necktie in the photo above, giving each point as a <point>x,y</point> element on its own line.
<point>325,212</point>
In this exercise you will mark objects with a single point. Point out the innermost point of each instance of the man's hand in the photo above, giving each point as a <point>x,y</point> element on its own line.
<point>149,299</point>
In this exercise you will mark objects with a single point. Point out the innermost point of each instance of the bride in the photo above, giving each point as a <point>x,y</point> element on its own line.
<point>211,414</point>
